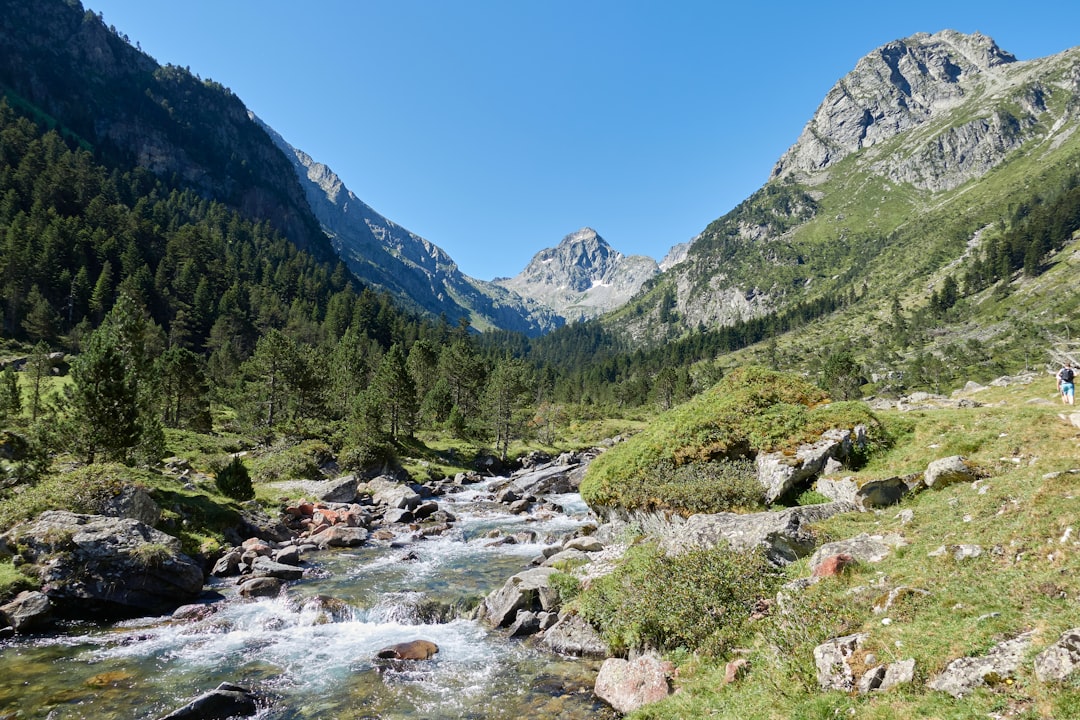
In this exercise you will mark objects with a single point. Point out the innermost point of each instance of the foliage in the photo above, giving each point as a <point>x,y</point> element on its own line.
<point>700,600</point>
<point>290,461</point>
<point>234,481</point>
<point>83,490</point>
<point>751,410</point>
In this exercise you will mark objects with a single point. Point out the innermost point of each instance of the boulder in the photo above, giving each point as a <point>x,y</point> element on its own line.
<point>528,590</point>
<point>963,675</point>
<point>385,491</point>
<point>554,478</point>
<point>862,548</point>
<point>887,491</point>
<point>572,635</point>
<point>226,701</point>
<point>260,587</point>
<point>1057,662</point>
<point>526,622</point>
<point>340,536</point>
<point>566,558</point>
<point>626,685</point>
<point>946,471</point>
<point>93,563</point>
<point>412,650</point>
<point>29,610</point>
<point>289,555</point>
<point>228,564</point>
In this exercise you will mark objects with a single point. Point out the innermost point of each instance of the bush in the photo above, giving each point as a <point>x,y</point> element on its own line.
<point>699,601</point>
<point>301,461</point>
<point>234,481</point>
<point>367,456</point>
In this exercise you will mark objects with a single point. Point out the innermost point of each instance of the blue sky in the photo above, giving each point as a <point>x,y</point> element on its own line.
<point>493,129</point>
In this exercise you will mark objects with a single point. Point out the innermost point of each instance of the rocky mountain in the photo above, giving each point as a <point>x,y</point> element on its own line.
<point>905,170</point>
<point>417,272</point>
<point>582,276</point>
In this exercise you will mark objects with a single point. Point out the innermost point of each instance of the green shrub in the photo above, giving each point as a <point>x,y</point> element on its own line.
<point>699,601</point>
<point>83,490</point>
<point>301,461</point>
<point>234,481</point>
<point>369,455</point>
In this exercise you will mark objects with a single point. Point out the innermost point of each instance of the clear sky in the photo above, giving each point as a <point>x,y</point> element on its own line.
<point>494,128</point>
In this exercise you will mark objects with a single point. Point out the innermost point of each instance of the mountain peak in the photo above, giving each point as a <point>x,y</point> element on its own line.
<point>894,88</point>
<point>582,276</point>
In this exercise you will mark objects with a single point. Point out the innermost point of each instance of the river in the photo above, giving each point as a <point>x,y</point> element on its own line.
<point>311,658</point>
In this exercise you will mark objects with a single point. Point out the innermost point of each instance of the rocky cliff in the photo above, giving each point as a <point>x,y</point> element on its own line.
<point>915,123</point>
<point>582,276</point>
<point>417,272</point>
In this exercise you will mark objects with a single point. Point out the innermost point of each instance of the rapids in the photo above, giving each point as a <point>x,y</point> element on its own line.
<point>311,658</point>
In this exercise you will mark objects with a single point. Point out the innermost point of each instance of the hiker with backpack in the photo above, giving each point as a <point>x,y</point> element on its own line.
<point>1065,378</point>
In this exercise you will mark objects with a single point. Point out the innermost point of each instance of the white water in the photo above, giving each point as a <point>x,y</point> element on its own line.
<point>312,664</point>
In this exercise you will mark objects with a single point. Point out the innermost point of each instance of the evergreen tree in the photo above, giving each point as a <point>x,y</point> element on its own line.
<point>10,395</point>
<point>104,401</point>
<point>184,390</point>
<point>39,368</point>
<point>42,320</point>
<point>396,392</point>
<point>507,397</point>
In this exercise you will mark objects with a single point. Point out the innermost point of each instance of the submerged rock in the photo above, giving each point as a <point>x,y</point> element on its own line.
<point>226,701</point>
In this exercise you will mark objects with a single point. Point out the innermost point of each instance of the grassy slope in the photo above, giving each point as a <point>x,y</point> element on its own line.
<point>1026,579</point>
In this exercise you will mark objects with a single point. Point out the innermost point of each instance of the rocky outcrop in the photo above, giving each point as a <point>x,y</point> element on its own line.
<point>582,276</point>
<point>528,590</point>
<point>117,565</point>
<point>573,635</point>
<point>785,535</point>
<point>1000,664</point>
<point>779,473</point>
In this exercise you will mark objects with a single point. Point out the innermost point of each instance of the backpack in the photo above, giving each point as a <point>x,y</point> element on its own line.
<point>1066,375</point>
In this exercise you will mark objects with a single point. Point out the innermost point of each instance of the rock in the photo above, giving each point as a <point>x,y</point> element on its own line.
<point>780,473</point>
<point>227,701</point>
<point>586,544</point>
<point>898,673</point>
<point>398,515</point>
<point>831,660</point>
<point>785,535</point>
<point>29,610</point>
<point>886,601</point>
<point>526,622</point>
<point>572,635</point>
<point>97,564</point>
<point>626,685</point>
<point>946,471</point>
<point>507,496</point>
<point>567,557</point>
<point>521,506</point>
<point>385,491</point>
<point>861,549</point>
<point>555,478</point>
<point>1057,662</point>
<point>963,675</point>
<point>265,567</point>
<point>132,502</point>
<point>260,587</point>
<point>412,650</point>
<point>885,492</point>
<point>288,555</point>
<point>228,564</point>
<point>426,509</point>
<point>340,536</point>
<point>528,590</point>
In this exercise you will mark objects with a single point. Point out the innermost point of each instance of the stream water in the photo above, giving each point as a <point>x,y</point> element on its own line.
<point>314,659</point>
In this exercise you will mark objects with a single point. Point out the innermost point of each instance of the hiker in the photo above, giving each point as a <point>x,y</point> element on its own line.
<point>1065,383</point>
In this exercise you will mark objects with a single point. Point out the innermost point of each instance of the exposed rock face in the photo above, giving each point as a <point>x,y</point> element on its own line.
<point>582,276</point>
<point>528,590</point>
<point>894,89</point>
<point>118,565</point>
<point>416,271</point>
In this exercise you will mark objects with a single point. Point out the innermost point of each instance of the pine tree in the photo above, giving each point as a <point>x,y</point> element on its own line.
<point>507,397</point>
<point>104,402</point>
<point>396,392</point>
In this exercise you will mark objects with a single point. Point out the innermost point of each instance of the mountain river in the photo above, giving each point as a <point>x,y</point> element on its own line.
<point>311,662</point>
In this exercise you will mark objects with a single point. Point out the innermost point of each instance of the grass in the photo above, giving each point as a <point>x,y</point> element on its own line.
<point>1027,579</point>
<point>751,410</point>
